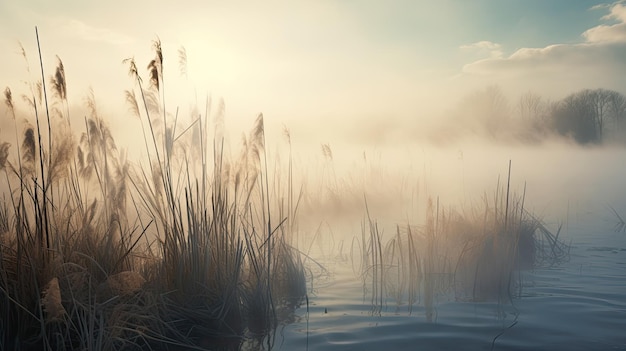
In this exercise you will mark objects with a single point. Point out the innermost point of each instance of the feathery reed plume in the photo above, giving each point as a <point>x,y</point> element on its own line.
<point>39,91</point>
<point>23,54</point>
<point>4,154</point>
<point>153,73</point>
<point>28,149</point>
<point>327,152</point>
<point>58,81</point>
<point>257,131</point>
<point>287,134</point>
<point>218,120</point>
<point>255,143</point>
<point>155,67</point>
<point>92,284</point>
<point>90,102</point>
<point>61,157</point>
<point>152,105</point>
<point>84,162</point>
<point>52,302</point>
<point>182,61</point>
<point>132,69</point>
<point>156,45</point>
<point>8,100</point>
<point>131,100</point>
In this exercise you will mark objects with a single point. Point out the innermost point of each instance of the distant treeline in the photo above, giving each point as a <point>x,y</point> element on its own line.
<point>587,116</point>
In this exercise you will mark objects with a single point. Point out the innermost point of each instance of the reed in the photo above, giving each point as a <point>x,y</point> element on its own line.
<point>472,255</point>
<point>98,253</point>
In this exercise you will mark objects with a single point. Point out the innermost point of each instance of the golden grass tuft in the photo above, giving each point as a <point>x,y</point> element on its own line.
<point>52,302</point>
<point>122,284</point>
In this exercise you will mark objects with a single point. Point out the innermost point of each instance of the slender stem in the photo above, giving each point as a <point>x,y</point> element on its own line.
<point>41,158</point>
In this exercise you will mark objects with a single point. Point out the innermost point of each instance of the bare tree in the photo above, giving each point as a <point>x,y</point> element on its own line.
<point>530,106</point>
<point>617,108</point>
<point>573,116</point>
<point>486,110</point>
<point>585,114</point>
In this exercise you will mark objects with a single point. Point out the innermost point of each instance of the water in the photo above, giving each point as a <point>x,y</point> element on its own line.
<point>576,305</point>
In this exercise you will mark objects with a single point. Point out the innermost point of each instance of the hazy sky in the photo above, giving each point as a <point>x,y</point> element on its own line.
<point>323,65</point>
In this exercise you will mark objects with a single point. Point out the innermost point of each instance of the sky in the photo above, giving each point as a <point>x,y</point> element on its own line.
<point>328,70</point>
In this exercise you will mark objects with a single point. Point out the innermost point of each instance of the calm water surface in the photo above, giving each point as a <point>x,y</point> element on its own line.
<point>578,305</point>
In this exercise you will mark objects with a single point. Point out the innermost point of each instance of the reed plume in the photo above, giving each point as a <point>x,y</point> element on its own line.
<point>327,152</point>
<point>155,66</point>
<point>4,154</point>
<point>79,276</point>
<point>58,81</point>
<point>28,150</point>
<point>182,61</point>
<point>8,100</point>
<point>153,73</point>
<point>132,69</point>
<point>131,100</point>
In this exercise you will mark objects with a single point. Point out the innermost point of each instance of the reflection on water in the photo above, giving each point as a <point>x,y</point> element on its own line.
<point>508,270</point>
<point>577,305</point>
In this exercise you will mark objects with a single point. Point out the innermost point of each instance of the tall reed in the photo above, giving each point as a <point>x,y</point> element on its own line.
<point>474,255</point>
<point>99,254</point>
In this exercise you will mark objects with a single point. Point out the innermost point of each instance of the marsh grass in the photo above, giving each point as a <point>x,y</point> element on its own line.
<point>620,225</point>
<point>472,255</point>
<point>190,251</point>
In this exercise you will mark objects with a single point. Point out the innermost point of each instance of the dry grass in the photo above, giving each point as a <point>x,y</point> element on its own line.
<point>473,255</point>
<point>99,254</point>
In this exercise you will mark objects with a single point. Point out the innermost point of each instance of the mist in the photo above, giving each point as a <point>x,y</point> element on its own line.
<point>337,167</point>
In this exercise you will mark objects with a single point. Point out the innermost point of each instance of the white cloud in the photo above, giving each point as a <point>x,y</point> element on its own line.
<point>609,33</point>
<point>597,61</point>
<point>485,47</point>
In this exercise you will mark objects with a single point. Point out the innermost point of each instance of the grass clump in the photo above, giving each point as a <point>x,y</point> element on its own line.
<point>475,255</point>
<point>99,253</point>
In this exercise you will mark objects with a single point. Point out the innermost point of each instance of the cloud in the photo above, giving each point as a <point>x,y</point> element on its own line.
<point>554,57</point>
<point>597,60</point>
<point>609,33</point>
<point>493,50</point>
